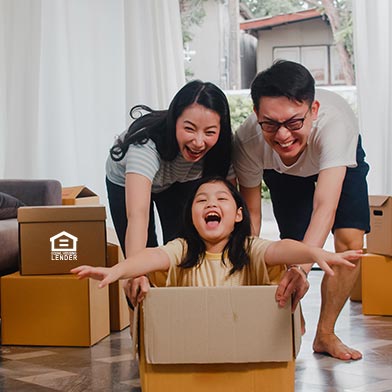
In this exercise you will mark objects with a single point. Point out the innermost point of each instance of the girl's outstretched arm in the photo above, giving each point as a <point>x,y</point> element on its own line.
<point>294,252</point>
<point>145,261</point>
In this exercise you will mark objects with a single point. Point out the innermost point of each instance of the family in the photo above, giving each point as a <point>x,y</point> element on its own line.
<point>205,184</point>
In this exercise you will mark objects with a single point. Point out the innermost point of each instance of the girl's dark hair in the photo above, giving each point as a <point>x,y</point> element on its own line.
<point>237,248</point>
<point>160,126</point>
<point>283,79</point>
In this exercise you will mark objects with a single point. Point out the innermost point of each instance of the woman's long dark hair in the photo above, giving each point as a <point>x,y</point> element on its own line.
<point>237,248</point>
<point>160,126</point>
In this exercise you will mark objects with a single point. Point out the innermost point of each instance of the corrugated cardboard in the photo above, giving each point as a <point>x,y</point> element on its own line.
<point>54,239</point>
<point>79,195</point>
<point>376,285</point>
<point>53,310</point>
<point>119,312</point>
<point>217,339</point>
<point>356,292</point>
<point>379,240</point>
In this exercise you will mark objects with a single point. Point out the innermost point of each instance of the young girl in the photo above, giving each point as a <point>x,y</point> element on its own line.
<point>157,160</point>
<point>216,248</point>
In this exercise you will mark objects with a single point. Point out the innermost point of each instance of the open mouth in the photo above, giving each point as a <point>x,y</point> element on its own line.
<point>285,145</point>
<point>193,153</point>
<point>212,219</point>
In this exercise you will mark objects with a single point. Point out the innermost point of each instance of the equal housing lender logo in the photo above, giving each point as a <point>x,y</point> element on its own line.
<point>63,246</point>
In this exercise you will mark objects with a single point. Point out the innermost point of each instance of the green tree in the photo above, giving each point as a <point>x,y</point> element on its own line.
<point>192,14</point>
<point>262,8</point>
<point>339,13</point>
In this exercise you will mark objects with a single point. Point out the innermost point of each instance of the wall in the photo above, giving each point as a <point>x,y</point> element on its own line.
<point>312,32</point>
<point>208,62</point>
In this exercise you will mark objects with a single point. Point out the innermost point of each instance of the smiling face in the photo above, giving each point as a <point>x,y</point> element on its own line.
<point>288,144</point>
<point>197,131</point>
<point>214,214</point>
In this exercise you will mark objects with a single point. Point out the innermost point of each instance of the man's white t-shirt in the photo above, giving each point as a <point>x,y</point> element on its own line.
<point>332,143</point>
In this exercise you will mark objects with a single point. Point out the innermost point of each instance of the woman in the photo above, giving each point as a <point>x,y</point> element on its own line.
<point>157,160</point>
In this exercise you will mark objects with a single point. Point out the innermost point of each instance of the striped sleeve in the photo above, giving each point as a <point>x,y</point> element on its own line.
<point>143,159</point>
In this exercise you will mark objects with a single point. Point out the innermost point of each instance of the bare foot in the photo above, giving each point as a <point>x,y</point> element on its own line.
<point>330,344</point>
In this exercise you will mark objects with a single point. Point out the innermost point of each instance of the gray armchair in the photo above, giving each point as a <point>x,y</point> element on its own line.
<point>31,193</point>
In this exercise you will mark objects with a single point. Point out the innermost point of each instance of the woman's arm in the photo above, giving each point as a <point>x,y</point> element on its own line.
<point>145,261</point>
<point>252,197</point>
<point>137,199</point>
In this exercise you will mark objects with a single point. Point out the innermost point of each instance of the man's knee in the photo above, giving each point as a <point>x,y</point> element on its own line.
<point>348,239</point>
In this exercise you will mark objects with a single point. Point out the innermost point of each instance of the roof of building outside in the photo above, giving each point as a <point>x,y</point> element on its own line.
<point>273,21</point>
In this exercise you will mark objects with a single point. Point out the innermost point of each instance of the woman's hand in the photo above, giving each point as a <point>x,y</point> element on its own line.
<point>294,284</point>
<point>136,289</point>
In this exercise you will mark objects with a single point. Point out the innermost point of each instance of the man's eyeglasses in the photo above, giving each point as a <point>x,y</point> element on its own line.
<point>293,124</point>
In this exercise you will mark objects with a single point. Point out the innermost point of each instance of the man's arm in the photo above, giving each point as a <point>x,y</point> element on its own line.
<point>252,197</point>
<point>325,203</point>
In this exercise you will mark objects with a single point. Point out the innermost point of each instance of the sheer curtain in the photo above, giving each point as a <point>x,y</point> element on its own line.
<point>373,62</point>
<point>69,71</point>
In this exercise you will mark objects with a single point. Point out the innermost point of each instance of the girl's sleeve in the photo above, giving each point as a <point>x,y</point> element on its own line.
<point>265,274</point>
<point>175,249</point>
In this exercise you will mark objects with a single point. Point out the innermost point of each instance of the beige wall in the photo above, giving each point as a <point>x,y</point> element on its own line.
<point>312,32</point>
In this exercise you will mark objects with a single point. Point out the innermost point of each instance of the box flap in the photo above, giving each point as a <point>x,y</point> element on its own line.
<point>61,213</point>
<point>378,200</point>
<point>297,330</point>
<point>73,192</point>
<point>216,325</point>
<point>135,331</point>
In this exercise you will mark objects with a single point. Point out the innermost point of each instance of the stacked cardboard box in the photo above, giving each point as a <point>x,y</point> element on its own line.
<point>377,265</point>
<point>216,339</point>
<point>119,311</point>
<point>44,304</point>
<point>376,285</point>
<point>52,310</point>
<point>79,195</point>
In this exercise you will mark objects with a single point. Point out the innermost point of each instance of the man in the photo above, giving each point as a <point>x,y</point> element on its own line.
<point>308,151</point>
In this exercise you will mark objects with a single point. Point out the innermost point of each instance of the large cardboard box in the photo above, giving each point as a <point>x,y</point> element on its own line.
<point>119,312</point>
<point>376,285</point>
<point>379,240</point>
<point>356,292</point>
<point>79,195</point>
<point>53,310</point>
<point>216,339</point>
<point>54,239</point>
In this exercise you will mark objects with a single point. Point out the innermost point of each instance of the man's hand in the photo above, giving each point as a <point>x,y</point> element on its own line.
<point>294,284</point>
<point>136,289</point>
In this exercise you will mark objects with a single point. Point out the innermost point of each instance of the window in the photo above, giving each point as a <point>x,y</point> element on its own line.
<point>321,60</point>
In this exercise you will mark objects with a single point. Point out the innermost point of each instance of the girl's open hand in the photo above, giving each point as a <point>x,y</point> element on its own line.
<point>105,275</point>
<point>327,259</point>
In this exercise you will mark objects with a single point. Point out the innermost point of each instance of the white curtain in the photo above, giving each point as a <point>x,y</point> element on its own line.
<point>373,62</point>
<point>69,72</point>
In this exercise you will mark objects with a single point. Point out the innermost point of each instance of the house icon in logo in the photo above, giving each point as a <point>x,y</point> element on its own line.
<point>63,242</point>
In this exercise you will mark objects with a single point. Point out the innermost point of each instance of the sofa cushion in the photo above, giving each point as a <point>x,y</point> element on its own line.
<point>9,206</point>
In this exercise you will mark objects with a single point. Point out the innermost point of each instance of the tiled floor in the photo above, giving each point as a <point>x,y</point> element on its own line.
<point>108,366</point>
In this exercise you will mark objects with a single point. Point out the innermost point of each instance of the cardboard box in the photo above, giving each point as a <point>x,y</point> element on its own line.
<point>79,195</point>
<point>216,339</point>
<point>376,285</point>
<point>119,311</point>
<point>53,310</point>
<point>54,239</point>
<point>356,292</point>
<point>379,240</point>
